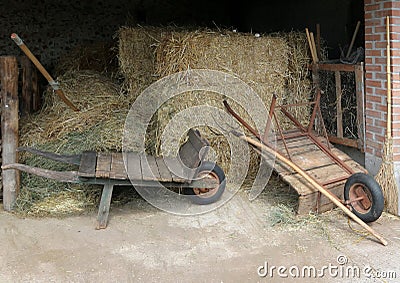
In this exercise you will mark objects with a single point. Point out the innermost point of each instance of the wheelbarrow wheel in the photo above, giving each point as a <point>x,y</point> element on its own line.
<point>207,196</point>
<point>364,196</point>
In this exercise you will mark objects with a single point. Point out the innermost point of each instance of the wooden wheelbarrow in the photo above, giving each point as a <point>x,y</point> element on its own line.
<point>204,181</point>
<point>363,195</point>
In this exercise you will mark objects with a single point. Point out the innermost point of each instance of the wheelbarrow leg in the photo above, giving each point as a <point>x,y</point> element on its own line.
<point>104,207</point>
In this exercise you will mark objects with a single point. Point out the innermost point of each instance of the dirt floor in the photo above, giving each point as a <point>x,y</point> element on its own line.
<point>235,243</point>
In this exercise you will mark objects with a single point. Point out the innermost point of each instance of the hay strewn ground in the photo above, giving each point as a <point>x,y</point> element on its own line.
<point>269,64</point>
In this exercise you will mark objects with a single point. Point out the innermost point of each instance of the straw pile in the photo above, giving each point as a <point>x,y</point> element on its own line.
<point>56,128</point>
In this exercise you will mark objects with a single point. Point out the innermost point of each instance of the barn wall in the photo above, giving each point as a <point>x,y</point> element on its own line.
<point>51,27</point>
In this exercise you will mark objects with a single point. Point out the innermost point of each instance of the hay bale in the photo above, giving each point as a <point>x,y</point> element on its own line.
<point>97,56</point>
<point>136,56</point>
<point>269,64</point>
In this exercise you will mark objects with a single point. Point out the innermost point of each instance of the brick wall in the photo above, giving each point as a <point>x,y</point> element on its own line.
<point>376,83</point>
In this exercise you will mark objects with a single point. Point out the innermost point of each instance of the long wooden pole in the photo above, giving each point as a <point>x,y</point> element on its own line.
<point>389,82</point>
<point>321,189</point>
<point>9,128</point>
<point>40,67</point>
<point>353,39</point>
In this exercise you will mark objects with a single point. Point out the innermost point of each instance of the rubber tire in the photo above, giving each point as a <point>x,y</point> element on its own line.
<point>377,199</point>
<point>209,166</point>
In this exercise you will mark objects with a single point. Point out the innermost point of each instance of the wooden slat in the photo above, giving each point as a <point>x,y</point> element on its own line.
<point>176,170</point>
<point>165,174</point>
<point>153,167</point>
<point>147,163</point>
<point>117,167</point>
<point>134,169</point>
<point>308,203</point>
<point>87,167</point>
<point>103,166</point>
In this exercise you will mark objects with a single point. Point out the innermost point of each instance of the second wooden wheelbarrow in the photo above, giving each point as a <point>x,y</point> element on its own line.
<point>310,162</point>
<point>204,181</point>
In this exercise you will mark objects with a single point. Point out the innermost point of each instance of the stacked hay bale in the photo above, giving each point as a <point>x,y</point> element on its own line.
<point>275,64</point>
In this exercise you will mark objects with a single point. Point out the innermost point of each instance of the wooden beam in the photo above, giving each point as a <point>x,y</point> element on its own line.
<point>339,110</point>
<point>336,67</point>
<point>360,98</point>
<point>9,128</point>
<point>26,94</point>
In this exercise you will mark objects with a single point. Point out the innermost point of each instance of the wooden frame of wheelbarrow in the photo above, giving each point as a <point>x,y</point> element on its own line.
<point>263,147</point>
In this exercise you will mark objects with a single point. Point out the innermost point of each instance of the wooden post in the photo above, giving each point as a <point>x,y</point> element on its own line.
<point>26,95</point>
<point>360,97</point>
<point>9,127</point>
<point>339,111</point>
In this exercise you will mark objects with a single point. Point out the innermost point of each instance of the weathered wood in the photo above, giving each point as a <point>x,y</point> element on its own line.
<point>317,186</point>
<point>117,167</point>
<point>104,207</point>
<point>149,168</point>
<point>165,174</point>
<point>360,98</point>
<point>87,167</point>
<point>189,155</point>
<point>9,128</point>
<point>70,159</point>
<point>68,176</point>
<point>343,141</point>
<point>26,96</point>
<point>336,67</point>
<point>133,164</point>
<point>316,202</point>
<point>103,166</point>
<point>339,110</point>
<point>178,173</point>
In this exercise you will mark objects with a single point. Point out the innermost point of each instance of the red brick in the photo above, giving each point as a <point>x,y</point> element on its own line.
<point>394,21</point>
<point>374,83</point>
<point>380,44</point>
<point>374,99</point>
<point>381,61</point>
<point>374,113</point>
<point>373,37</point>
<point>374,7</point>
<point>382,13</point>
<point>381,92</point>
<point>373,68</point>
<point>373,22</point>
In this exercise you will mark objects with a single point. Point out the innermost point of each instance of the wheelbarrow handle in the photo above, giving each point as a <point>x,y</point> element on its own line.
<point>42,70</point>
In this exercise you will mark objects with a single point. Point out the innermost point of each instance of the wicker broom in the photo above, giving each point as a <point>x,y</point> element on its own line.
<point>385,176</point>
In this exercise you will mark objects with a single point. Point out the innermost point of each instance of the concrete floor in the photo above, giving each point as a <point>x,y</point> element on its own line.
<point>230,244</point>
